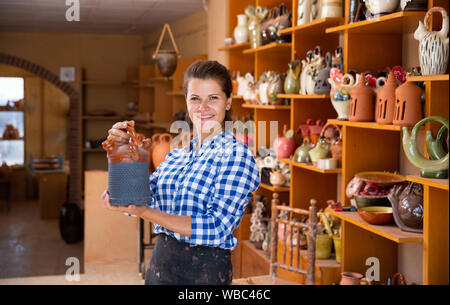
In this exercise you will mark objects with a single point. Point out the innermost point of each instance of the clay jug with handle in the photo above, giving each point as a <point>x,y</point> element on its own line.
<point>385,104</point>
<point>160,148</point>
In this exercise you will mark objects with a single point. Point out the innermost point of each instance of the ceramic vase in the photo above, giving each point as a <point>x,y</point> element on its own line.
<point>408,104</point>
<point>437,169</point>
<point>304,11</point>
<point>385,102</point>
<point>241,30</point>
<point>381,7</point>
<point>315,9</point>
<point>331,8</point>
<point>292,81</point>
<point>434,45</point>
<point>361,102</point>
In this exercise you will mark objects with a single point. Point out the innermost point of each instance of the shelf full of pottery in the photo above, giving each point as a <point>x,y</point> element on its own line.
<point>304,78</point>
<point>328,230</point>
<point>320,148</point>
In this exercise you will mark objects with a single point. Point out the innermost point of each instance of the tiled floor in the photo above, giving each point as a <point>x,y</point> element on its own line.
<point>30,246</point>
<point>33,252</point>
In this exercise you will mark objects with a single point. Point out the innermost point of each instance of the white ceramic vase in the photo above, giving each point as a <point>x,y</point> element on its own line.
<point>304,11</point>
<point>241,30</point>
<point>433,46</point>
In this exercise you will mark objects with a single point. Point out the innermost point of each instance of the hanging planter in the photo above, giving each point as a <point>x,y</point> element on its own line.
<point>166,60</point>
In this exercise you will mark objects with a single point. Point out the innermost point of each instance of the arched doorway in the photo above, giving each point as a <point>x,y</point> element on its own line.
<point>74,137</point>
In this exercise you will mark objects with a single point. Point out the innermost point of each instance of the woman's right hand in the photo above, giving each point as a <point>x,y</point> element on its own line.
<point>118,133</point>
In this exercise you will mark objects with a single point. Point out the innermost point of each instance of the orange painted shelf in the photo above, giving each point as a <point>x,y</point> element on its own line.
<point>315,27</point>
<point>267,107</point>
<point>391,232</point>
<point>369,125</point>
<point>311,167</point>
<point>100,118</point>
<point>436,183</point>
<point>236,47</point>
<point>175,93</point>
<point>428,78</point>
<point>272,48</point>
<point>274,189</point>
<point>305,97</point>
<point>395,23</point>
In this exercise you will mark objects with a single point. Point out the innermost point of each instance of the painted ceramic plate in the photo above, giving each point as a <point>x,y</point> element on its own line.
<point>380,178</point>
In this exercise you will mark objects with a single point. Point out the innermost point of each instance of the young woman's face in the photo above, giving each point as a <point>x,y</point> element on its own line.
<point>206,102</point>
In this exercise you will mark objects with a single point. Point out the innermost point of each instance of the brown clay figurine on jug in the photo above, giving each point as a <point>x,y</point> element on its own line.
<point>160,148</point>
<point>385,104</point>
<point>361,102</point>
<point>408,105</point>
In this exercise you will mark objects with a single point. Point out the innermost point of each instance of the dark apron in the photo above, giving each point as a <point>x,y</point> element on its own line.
<point>176,263</point>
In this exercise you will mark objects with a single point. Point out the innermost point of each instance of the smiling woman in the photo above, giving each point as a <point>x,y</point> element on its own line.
<point>199,193</point>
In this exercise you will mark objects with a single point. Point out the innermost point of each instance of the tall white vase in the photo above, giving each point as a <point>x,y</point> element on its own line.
<point>241,30</point>
<point>304,11</point>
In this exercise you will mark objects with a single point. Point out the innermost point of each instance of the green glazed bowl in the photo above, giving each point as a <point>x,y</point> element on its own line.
<point>367,201</point>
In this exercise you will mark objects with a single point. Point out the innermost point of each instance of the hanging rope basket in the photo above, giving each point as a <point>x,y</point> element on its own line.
<point>166,60</point>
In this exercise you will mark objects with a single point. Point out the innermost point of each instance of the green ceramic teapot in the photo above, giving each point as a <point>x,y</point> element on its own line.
<point>437,167</point>
<point>320,151</point>
<point>301,154</point>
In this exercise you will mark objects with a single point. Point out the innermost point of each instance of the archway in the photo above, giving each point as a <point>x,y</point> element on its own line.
<point>74,137</point>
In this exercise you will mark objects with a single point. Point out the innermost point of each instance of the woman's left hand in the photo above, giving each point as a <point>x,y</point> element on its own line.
<point>131,209</point>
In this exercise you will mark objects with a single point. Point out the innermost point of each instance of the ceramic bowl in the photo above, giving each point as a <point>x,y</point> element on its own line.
<point>376,215</point>
<point>367,201</point>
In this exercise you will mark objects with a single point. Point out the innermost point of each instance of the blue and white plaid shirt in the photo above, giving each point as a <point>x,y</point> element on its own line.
<point>213,186</point>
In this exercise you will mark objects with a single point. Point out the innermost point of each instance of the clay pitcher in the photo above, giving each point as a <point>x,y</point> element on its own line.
<point>361,102</point>
<point>433,46</point>
<point>385,104</point>
<point>160,148</point>
<point>430,168</point>
<point>408,105</point>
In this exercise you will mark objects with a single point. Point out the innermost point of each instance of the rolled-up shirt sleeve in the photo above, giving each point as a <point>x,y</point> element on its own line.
<point>237,179</point>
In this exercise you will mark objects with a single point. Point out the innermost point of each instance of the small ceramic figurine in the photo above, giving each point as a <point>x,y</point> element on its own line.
<point>277,179</point>
<point>292,81</point>
<point>322,86</point>
<point>434,45</point>
<point>385,102</point>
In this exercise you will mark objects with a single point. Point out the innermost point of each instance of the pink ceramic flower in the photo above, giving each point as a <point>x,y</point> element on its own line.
<point>399,73</point>
<point>371,81</point>
<point>336,75</point>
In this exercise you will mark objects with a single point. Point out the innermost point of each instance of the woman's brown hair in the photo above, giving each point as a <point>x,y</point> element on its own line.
<point>210,69</point>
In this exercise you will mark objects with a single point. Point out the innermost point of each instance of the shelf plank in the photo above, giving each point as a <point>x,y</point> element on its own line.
<point>236,47</point>
<point>436,183</point>
<point>428,78</point>
<point>273,188</point>
<point>395,23</point>
<point>391,232</point>
<point>175,93</point>
<point>315,27</point>
<point>311,167</point>
<point>238,97</point>
<point>101,117</point>
<point>266,107</point>
<point>272,47</point>
<point>305,97</point>
<point>368,125</point>
<point>103,82</point>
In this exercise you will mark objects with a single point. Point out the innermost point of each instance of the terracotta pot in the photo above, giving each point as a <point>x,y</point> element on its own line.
<point>361,103</point>
<point>351,278</point>
<point>385,104</point>
<point>160,148</point>
<point>408,105</point>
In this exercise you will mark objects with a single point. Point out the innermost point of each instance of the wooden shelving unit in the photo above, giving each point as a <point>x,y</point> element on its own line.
<point>310,167</point>
<point>368,45</point>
